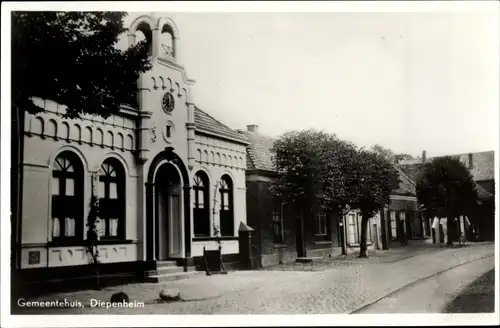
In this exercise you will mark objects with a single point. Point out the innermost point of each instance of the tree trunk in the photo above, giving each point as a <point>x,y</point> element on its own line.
<point>342,232</point>
<point>383,227</point>
<point>362,244</point>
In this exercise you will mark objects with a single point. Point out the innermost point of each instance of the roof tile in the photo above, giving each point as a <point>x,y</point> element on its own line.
<point>259,155</point>
<point>205,122</point>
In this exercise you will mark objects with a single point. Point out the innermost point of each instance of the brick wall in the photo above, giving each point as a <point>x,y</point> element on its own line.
<point>260,217</point>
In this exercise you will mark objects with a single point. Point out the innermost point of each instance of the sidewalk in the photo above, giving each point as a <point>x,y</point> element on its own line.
<point>394,254</point>
<point>336,289</point>
<point>197,288</point>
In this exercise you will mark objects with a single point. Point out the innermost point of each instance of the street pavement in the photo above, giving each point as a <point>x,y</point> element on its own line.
<point>479,296</point>
<point>340,287</point>
<point>433,294</point>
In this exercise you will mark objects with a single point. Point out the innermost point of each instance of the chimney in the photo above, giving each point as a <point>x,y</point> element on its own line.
<point>253,128</point>
<point>471,163</point>
<point>424,156</point>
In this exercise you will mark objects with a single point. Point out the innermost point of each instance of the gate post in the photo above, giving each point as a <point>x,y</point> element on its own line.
<point>247,247</point>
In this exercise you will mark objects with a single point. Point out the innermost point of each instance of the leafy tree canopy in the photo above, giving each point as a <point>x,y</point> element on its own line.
<point>445,187</point>
<point>298,162</point>
<point>389,154</point>
<point>339,184</point>
<point>376,177</point>
<point>71,58</point>
<point>399,157</point>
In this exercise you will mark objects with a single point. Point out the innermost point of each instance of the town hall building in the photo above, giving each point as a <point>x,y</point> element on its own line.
<point>169,177</point>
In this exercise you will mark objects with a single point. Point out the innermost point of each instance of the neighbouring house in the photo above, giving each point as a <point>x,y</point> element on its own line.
<point>166,173</point>
<point>403,218</point>
<point>281,236</point>
<point>482,168</point>
<point>482,217</point>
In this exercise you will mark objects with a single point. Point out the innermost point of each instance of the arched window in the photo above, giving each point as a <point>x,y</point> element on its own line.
<point>201,205</point>
<point>67,198</point>
<point>226,206</point>
<point>111,200</point>
<point>143,33</point>
<point>167,41</point>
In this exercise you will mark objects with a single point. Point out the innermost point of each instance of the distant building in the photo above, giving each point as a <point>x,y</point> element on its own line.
<point>282,237</point>
<point>481,166</point>
<point>404,219</point>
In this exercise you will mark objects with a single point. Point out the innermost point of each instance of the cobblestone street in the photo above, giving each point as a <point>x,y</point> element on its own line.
<point>336,287</point>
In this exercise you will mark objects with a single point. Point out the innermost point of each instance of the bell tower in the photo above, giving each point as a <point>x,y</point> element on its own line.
<point>165,100</point>
<point>160,33</point>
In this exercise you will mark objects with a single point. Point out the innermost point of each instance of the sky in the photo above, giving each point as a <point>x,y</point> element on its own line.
<point>407,81</point>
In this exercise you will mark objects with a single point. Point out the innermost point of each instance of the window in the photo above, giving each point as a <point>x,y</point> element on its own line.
<point>201,206</point>
<point>111,200</point>
<point>144,32</point>
<point>168,132</point>
<point>352,231</point>
<point>321,223</point>
<point>167,40</point>
<point>67,198</point>
<point>226,206</point>
<point>402,218</point>
<point>394,226</point>
<point>278,231</point>
<point>368,230</point>
<point>354,226</point>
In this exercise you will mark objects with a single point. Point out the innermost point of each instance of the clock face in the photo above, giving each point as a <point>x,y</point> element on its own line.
<point>168,102</point>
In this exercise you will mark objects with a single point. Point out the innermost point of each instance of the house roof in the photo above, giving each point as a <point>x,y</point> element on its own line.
<point>483,169</point>
<point>483,164</point>
<point>482,193</point>
<point>406,184</point>
<point>259,155</point>
<point>412,171</point>
<point>207,124</point>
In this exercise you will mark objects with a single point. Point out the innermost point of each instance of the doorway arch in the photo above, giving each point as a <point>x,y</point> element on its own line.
<point>167,213</point>
<point>167,190</point>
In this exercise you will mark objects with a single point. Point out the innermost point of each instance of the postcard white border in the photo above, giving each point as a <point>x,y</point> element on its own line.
<point>215,320</point>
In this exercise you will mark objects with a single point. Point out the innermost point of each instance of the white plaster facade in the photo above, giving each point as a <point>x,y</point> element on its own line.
<point>137,138</point>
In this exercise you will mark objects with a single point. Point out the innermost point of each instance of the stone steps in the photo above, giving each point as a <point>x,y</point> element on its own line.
<point>308,259</point>
<point>173,276</point>
<point>169,271</point>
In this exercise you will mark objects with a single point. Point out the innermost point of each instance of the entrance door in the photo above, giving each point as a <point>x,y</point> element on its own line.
<point>175,237</point>
<point>162,224</point>
<point>168,214</point>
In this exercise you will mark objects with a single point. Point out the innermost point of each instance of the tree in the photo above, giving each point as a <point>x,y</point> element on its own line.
<point>298,163</point>
<point>71,59</point>
<point>402,156</point>
<point>339,185</point>
<point>446,186</point>
<point>299,160</point>
<point>384,152</point>
<point>390,155</point>
<point>375,178</point>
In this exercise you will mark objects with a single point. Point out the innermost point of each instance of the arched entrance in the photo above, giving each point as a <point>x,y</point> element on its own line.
<point>168,219</point>
<point>168,213</point>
